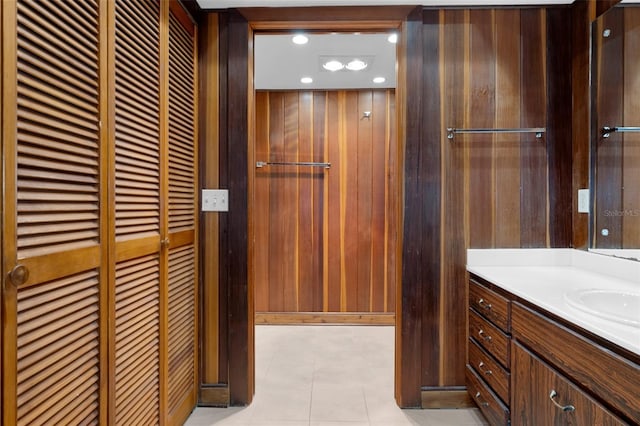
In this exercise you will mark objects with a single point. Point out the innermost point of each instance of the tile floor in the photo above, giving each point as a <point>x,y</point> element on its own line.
<point>326,376</point>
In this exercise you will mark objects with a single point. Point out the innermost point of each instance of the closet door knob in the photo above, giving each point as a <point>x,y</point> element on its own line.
<point>19,274</point>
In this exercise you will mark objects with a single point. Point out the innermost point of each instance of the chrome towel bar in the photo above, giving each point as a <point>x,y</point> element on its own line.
<point>606,130</point>
<point>537,130</point>
<point>260,164</point>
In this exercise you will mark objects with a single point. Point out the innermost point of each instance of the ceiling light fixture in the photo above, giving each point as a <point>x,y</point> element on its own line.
<point>300,39</point>
<point>393,38</point>
<point>379,80</point>
<point>333,65</point>
<point>356,65</point>
<point>306,80</point>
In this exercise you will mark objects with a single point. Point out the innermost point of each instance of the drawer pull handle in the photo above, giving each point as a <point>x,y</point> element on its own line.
<point>552,396</point>
<point>487,372</point>
<point>483,403</point>
<point>481,334</point>
<point>484,305</point>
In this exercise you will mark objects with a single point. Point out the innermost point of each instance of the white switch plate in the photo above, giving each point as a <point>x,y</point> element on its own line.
<point>215,200</point>
<point>583,201</point>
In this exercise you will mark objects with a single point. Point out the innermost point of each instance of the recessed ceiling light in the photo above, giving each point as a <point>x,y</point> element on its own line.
<point>333,65</point>
<point>356,65</point>
<point>306,80</point>
<point>379,80</point>
<point>393,38</point>
<point>300,39</point>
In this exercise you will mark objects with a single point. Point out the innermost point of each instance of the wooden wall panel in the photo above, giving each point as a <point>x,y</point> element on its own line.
<point>237,366</point>
<point>582,15</point>
<point>533,158</point>
<point>290,240</point>
<point>454,58</point>
<point>507,115</point>
<point>559,115</point>
<point>496,69</point>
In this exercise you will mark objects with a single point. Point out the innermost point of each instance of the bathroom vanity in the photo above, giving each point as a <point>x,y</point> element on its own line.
<point>554,337</point>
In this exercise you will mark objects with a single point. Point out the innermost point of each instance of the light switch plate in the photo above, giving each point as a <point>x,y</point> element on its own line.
<point>215,200</point>
<point>583,201</point>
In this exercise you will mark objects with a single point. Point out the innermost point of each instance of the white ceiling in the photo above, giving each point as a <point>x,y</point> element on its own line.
<point>279,63</point>
<point>223,4</point>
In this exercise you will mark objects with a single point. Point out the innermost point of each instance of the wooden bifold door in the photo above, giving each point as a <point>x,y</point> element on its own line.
<point>325,238</point>
<point>100,212</point>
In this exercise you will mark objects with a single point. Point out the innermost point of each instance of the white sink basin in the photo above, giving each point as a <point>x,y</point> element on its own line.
<point>616,305</point>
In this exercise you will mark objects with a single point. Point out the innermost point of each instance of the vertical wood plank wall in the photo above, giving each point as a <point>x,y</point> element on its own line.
<point>449,78</point>
<point>325,238</point>
<point>497,68</point>
<point>617,158</point>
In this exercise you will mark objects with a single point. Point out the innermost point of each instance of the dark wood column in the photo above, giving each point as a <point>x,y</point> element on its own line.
<point>234,283</point>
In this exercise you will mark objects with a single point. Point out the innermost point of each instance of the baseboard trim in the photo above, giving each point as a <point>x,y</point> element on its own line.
<point>213,396</point>
<point>327,318</point>
<point>446,397</point>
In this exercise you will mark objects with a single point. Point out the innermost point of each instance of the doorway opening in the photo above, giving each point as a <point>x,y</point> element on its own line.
<point>325,205</point>
<point>325,179</point>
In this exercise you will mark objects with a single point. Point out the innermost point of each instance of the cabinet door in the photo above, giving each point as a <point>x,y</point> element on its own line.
<point>135,234</point>
<point>540,396</point>
<point>181,213</point>
<point>54,213</point>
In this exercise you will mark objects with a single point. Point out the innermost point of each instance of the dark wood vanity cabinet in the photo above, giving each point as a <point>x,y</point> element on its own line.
<point>542,396</point>
<point>554,373</point>
<point>488,355</point>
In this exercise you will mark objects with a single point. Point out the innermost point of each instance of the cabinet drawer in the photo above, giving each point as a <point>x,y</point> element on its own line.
<point>490,371</point>
<point>488,402</point>
<point>544,397</point>
<point>489,337</point>
<point>590,365</point>
<point>491,305</point>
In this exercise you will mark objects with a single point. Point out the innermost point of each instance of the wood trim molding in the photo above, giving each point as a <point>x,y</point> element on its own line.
<point>446,397</point>
<point>324,318</point>
<point>213,396</point>
<point>334,18</point>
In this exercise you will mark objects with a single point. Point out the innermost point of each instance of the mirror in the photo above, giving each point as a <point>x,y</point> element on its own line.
<point>615,133</point>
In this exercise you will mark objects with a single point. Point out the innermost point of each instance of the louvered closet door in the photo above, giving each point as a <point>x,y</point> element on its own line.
<point>54,215</point>
<point>135,339</point>
<point>182,206</point>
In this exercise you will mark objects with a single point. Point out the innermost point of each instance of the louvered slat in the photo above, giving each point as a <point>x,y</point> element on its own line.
<point>137,341</point>
<point>181,128</point>
<point>57,130</point>
<point>137,117</point>
<point>58,328</point>
<point>182,351</point>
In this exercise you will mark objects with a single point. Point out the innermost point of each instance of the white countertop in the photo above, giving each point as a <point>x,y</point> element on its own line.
<point>543,276</point>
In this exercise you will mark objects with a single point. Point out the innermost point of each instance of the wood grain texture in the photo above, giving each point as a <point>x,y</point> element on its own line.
<point>581,133</point>
<point>533,160</point>
<point>293,233</point>
<point>559,114</point>
<point>454,85</point>
<point>234,228</point>
<point>326,318</point>
<point>209,228</point>
<point>54,357</point>
<point>409,301</point>
<point>495,69</point>
<point>586,363</point>
<point>607,152</point>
